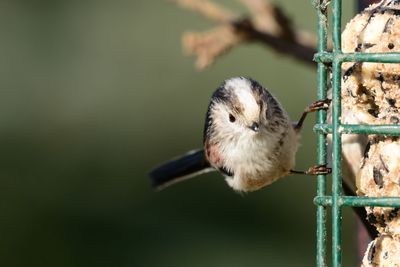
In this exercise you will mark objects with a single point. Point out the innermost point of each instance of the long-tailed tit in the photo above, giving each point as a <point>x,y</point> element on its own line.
<point>248,137</point>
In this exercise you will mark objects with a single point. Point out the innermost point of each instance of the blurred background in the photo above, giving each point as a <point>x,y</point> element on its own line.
<point>93,94</point>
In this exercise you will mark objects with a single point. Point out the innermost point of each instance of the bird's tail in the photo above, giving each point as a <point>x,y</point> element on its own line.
<point>181,168</point>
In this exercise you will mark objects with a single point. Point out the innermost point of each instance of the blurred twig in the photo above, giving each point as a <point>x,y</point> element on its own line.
<point>267,24</point>
<point>208,9</point>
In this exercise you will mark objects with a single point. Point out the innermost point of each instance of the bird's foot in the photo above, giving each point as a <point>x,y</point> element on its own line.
<point>318,170</point>
<point>315,170</point>
<point>319,105</point>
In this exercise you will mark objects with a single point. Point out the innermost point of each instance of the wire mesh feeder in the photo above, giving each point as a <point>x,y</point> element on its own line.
<point>337,200</point>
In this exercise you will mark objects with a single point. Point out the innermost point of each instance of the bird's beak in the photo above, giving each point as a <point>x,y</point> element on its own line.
<point>255,127</point>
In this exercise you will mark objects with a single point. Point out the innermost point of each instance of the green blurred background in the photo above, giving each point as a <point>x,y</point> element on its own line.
<point>93,94</point>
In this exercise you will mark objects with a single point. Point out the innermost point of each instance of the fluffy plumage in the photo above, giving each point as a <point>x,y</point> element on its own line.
<point>248,137</point>
<point>254,157</point>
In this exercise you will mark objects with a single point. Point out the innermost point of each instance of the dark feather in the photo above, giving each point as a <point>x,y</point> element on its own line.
<point>186,166</point>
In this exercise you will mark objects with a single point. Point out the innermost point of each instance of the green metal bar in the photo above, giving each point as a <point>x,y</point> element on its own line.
<point>336,137</point>
<point>326,57</point>
<point>336,201</point>
<point>384,129</point>
<point>336,26</point>
<point>351,201</point>
<point>323,201</point>
<point>321,143</point>
<point>336,166</point>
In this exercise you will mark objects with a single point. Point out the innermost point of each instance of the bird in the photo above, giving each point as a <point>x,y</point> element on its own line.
<point>248,137</point>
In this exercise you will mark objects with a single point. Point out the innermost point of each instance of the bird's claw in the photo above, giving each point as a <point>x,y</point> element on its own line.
<point>319,105</point>
<point>318,170</point>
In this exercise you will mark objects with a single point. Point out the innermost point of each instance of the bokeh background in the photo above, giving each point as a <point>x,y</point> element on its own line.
<point>93,94</point>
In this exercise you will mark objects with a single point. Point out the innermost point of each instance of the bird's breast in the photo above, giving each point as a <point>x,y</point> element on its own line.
<point>259,161</point>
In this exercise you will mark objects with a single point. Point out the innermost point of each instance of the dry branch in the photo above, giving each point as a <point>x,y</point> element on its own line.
<point>208,9</point>
<point>268,24</point>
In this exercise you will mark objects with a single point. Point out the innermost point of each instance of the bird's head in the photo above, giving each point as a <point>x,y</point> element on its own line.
<point>239,107</point>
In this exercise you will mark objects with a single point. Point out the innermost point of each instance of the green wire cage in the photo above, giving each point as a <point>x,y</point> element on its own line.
<point>337,200</point>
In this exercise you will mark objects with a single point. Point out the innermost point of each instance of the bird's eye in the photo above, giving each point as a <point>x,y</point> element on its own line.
<point>232,118</point>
